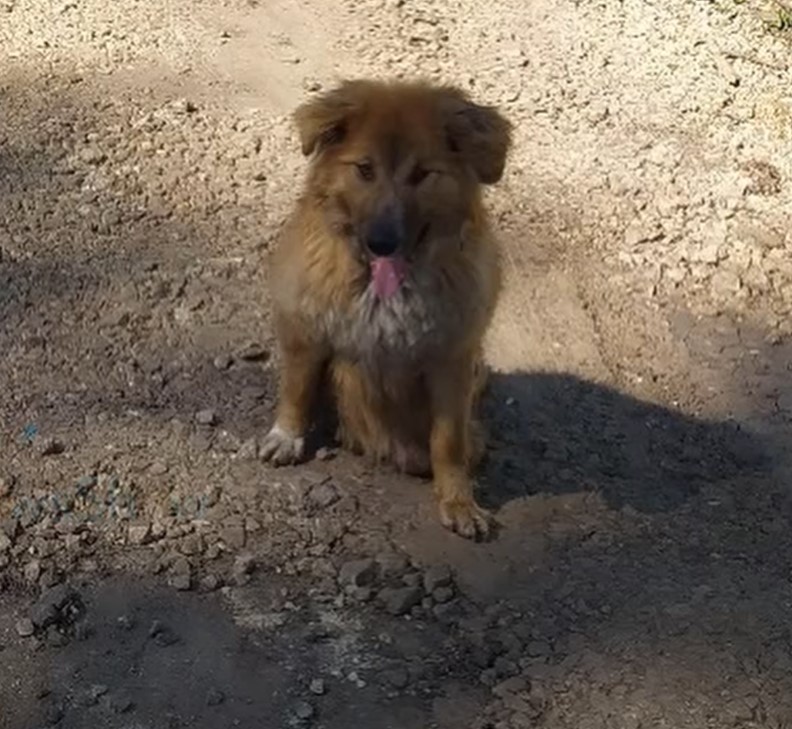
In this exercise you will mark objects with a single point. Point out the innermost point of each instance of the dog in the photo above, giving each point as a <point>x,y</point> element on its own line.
<point>385,280</point>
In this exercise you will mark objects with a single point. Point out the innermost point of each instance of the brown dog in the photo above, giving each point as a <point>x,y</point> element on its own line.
<point>386,278</point>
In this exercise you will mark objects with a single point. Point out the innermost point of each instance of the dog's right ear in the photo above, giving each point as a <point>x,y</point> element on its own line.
<point>322,121</point>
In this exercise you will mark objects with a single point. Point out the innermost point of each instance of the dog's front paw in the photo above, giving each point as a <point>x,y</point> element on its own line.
<point>466,518</point>
<point>282,448</point>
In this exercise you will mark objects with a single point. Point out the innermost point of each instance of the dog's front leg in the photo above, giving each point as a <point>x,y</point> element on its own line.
<point>300,371</point>
<point>451,391</point>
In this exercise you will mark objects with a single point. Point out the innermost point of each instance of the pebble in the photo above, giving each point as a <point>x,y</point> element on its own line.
<point>5,542</point>
<point>303,710</point>
<point>248,450</point>
<point>253,352</point>
<point>325,454</point>
<point>50,447</point>
<point>244,565</point>
<point>121,703</point>
<point>435,577</point>
<point>398,678</point>
<point>25,627</point>
<point>206,417</point>
<point>183,106</point>
<point>233,536</point>
<point>392,565</point>
<point>323,495</point>
<point>443,595</point>
<point>162,634</point>
<point>59,604</point>
<point>210,583</point>
<point>538,648</point>
<point>318,687</point>
<point>95,693</point>
<point>125,622</point>
<point>139,534</point>
<point>32,571</point>
<point>6,486</point>
<point>214,697</point>
<point>400,600</point>
<point>358,573</point>
<point>223,361</point>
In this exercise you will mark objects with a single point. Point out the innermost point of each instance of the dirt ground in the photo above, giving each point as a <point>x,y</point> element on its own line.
<point>155,574</point>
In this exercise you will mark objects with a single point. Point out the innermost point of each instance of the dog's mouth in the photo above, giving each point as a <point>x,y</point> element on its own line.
<point>387,274</point>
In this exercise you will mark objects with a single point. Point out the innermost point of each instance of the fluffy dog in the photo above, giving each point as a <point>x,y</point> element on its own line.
<point>386,278</point>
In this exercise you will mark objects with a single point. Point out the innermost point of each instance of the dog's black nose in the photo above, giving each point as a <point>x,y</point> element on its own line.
<point>386,235</point>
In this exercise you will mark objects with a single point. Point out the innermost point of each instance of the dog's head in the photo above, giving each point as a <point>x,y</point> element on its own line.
<point>398,166</point>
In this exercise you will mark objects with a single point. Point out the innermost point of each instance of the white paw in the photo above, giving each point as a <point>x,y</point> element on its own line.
<point>281,448</point>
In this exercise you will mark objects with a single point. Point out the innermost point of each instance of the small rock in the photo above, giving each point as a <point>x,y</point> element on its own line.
<point>248,450</point>
<point>398,601</point>
<point>51,447</point>
<point>361,594</point>
<point>55,638</point>
<point>325,454</point>
<point>59,605</point>
<point>6,486</point>
<point>92,155</point>
<point>210,583</point>
<point>253,352</point>
<point>358,573</point>
<point>434,577</point>
<point>398,678</point>
<point>53,713</point>
<point>33,571</point>
<point>5,542</point>
<point>206,417</point>
<point>443,595</point>
<point>303,711</point>
<point>125,622</point>
<point>323,495</point>
<point>162,634</point>
<point>139,534</point>
<point>392,565</point>
<point>192,544</point>
<point>505,668</point>
<point>94,693</point>
<point>318,687</point>
<point>214,697</point>
<point>25,627</point>
<point>233,536</point>
<point>158,468</point>
<point>223,361</point>
<point>121,703</point>
<point>85,484</point>
<point>183,106</point>
<point>181,574</point>
<point>244,564</point>
<point>511,686</point>
<point>538,649</point>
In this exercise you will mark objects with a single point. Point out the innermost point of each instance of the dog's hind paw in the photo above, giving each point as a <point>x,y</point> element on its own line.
<point>281,448</point>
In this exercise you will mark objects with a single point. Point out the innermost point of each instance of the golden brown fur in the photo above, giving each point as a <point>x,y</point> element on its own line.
<point>405,369</point>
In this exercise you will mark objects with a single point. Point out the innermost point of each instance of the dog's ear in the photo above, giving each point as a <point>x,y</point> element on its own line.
<point>322,121</point>
<point>480,134</point>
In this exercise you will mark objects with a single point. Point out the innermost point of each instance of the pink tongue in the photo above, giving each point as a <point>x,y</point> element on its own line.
<point>387,274</point>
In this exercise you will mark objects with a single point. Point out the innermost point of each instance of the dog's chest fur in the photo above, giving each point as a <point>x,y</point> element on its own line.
<point>417,321</point>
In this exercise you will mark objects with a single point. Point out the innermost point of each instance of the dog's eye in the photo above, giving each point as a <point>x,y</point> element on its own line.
<point>417,175</point>
<point>365,170</point>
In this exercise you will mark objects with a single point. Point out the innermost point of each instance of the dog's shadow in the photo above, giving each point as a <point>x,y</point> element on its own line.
<point>554,433</point>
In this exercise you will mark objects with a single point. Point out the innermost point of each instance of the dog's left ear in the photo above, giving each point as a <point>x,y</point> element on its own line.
<point>322,121</point>
<point>479,133</point>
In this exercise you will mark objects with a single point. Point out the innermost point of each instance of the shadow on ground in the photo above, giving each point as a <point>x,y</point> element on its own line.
<point>555,433</point>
